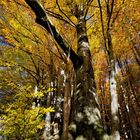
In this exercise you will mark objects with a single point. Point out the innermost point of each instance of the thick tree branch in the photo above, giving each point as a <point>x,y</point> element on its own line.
<point>42,19</point>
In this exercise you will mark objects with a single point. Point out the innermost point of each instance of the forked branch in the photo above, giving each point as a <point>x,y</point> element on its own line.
<point>42,19</point>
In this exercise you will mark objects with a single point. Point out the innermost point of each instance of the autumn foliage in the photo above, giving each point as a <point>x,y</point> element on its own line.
<point>38,77</point>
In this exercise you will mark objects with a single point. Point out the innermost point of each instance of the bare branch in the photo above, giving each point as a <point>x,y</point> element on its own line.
<point>64,13</point>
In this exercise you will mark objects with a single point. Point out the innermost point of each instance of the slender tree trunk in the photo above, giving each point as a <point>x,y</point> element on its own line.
<point>125,97</point>
<point>124,116</point>
<point>111,63</point>
<point>114,106</point>
<point>113,89</point>
<point>48,99</point>
<point>67,103</point>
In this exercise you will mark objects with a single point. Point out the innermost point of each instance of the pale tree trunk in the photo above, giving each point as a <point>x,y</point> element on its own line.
<point>127,105</point>
<point>114,106</point>
<point>111,64</point>
<point>113,83</point>
<point>125,123</point>
<point>113,88</point>
<point>47,129</point>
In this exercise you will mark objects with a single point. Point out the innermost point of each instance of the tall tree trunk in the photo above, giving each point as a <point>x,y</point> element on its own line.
<point>125,123</point>
<point>86,122</point>
<point>113,88</point>
<point>67,102</point>
<point>125,97</point>
<point>114,106</point>
<point>111,63</point>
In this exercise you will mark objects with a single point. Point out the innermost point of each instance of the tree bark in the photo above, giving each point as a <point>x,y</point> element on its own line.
<point>113,88</point>
<point>111,64</point>
<point>86,123</point>
<point>67,102</point>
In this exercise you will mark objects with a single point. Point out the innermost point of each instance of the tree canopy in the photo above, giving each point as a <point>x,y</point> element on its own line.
<point>70,69</point>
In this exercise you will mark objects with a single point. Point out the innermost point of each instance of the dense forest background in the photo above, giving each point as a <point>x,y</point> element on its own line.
<point>39,68</point>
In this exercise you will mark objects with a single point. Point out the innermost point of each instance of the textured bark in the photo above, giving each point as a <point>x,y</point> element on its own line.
<point>67,103</point>
<point>86,123</point>
<point>113,88</point>
<point>125,121</point>
<point>129,118</point>
<point>114,107</point>
<point>111,63</point>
